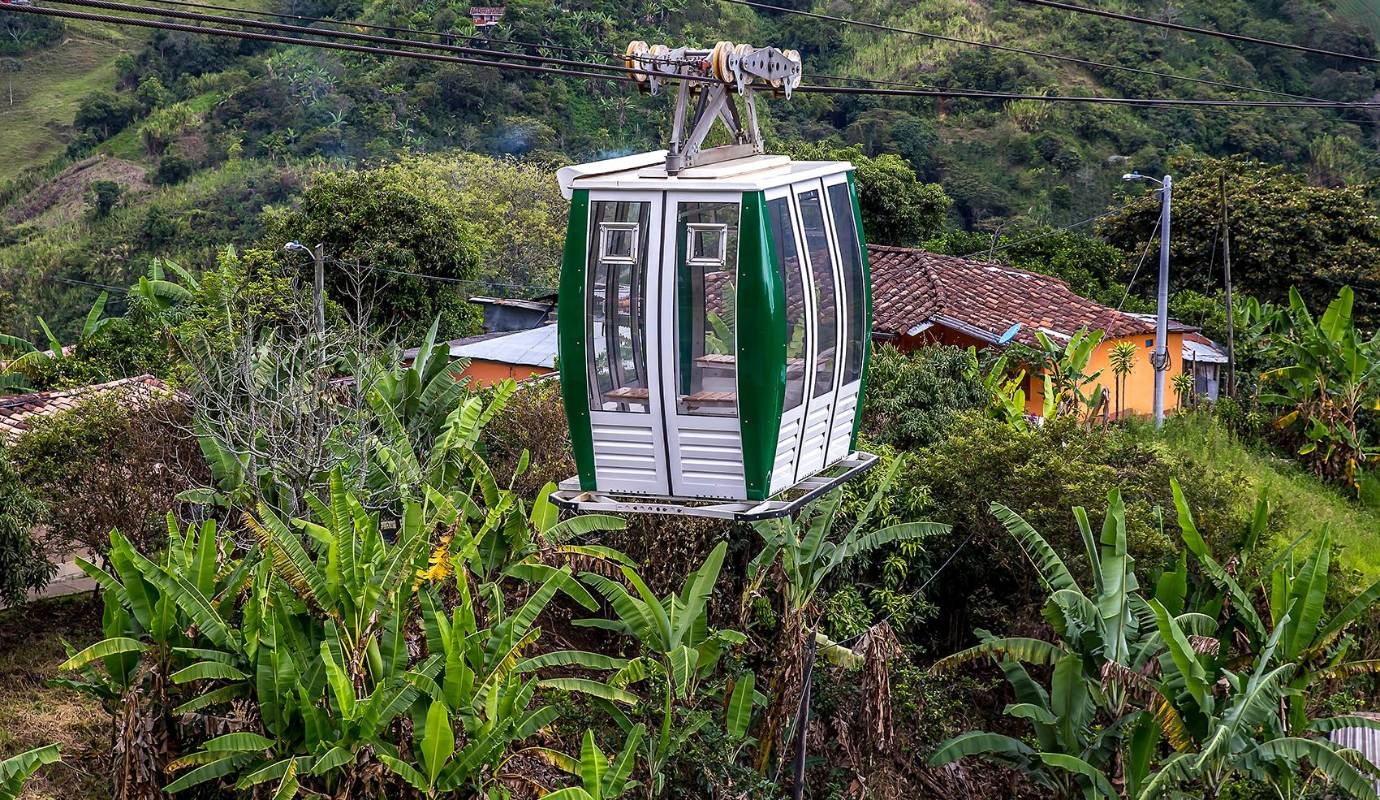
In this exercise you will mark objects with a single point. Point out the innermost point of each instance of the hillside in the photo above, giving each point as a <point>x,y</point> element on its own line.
<point>242,123</point>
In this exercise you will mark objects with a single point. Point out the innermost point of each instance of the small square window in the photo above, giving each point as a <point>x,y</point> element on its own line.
<point>708,244</point>
<point>618,243</point>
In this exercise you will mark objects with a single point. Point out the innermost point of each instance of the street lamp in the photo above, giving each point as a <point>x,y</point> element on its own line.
<point>1160,358</point>
<point>318,258</point>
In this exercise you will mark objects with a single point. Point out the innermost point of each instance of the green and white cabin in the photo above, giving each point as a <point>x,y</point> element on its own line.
<point>714,325</point>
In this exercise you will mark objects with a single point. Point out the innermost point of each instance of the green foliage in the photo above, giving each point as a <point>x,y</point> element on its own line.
<point>377,224</point>
<point>913,398</point>
<point>1285,232</point>
<point>24,565</point>
<point>104,465</point>
<point>16,770</point>
<point>103,114</point>
<point>1329,383</point>
<point>897,208</point>
<point>103,197</point>
<point>1039,472</point>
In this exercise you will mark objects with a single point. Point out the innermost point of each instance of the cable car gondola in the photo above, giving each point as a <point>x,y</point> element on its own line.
<point>714,313</point>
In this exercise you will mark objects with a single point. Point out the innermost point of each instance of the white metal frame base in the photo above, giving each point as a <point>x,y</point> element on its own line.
<point>785,503</point>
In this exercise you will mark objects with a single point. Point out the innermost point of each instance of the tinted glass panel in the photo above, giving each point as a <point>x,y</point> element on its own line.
<point>706,308</point>
<point>850,256</point>
<point>822,273</point>
<point>788,255</point>
<point>616,327</point>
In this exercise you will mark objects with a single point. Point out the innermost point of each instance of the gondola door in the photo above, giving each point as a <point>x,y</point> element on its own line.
<point>825,337</point>
<point>622,284</point>
<point>698,327</point>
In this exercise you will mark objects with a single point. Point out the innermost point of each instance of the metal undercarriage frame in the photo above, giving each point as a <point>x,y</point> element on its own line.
<point>571,497</point>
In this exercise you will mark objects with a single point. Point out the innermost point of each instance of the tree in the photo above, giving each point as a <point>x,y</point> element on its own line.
<point>103,195</point>
<point>397,242</point>
<point>896,207</point>
<point>518,216</point>
<point>913,397</point>
<point>1284,231</point>
<point>1123,357</point>
<point>103,114</point>
<point>24,566</point>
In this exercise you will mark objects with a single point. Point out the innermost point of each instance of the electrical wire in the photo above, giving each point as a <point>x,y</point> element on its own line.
<point>387,28</point>
<point>1038,237</point>
<point>110,5</point>
<point>1018,50</point>
<point>268,37</point>
<point>574,73</point>
<point>1175,26</point>
<point>1148,244</point>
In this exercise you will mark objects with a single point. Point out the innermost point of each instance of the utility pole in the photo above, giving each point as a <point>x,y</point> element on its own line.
<point>318,255</point>
<point>1160,359</point>
<point>1226,266</point>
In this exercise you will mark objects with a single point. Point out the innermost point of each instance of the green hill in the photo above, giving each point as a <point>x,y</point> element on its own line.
<point>191,106</point>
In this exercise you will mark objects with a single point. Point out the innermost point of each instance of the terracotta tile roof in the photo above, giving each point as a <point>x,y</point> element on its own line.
<point>17,412</point>
<point>911,287</point>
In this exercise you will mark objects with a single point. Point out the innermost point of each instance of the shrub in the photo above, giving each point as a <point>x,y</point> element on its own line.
<point>912,398</point>
<point>102,466</point>
<point>173,168</point>
<point>103,114</point>
<point>1040,474</point>
<point>23,564</point>
<point>103,195</point>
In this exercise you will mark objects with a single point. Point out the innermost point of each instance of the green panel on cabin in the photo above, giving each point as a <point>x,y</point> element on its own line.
<point>867,296</point>
<point>761,346</point>
<point>570,324</point>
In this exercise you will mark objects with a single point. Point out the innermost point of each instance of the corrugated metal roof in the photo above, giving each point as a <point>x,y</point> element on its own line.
<point>533,348</point>
<point>1203,352</point>
<point>1366,741</point>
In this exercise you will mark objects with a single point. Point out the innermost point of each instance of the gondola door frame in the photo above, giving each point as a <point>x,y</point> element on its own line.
<point>813,453</point>
<point>629,447</point>
<point>704,452</point>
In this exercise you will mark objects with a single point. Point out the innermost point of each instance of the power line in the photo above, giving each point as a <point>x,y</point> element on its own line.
<point>1038,237</point>
<point>268,37</point>
<point>387,28</point>
<point>109,5</point>
<point>1057,98</point>
<point>572,73</point>
<point>1235,37</point>
<point>1010,49</point>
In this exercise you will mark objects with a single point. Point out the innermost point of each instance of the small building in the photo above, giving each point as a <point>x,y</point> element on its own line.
<point>922,298</point>
<point>485,17</point>
<point>513,314</point>
<point>18,412</point>
<point>496,357</point>
<point>1206,362</point>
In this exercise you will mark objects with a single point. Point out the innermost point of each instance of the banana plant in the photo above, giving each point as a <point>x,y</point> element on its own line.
<point>1316,644</point>
<point>1066,372</point>
<point>1330,380</point>
<point>808,554</point>
<point>1222,725</point>
<point>161,293</point>
<point>677,664</point>
<point>601,777</point>
<point>1099,658</point>
<point>23,357</point>
<point>16,770</point>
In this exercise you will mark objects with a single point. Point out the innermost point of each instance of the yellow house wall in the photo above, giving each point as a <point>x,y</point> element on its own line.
<point>1138,395</point>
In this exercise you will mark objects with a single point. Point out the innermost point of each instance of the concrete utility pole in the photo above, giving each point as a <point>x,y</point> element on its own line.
<point>318,257</point>
<point>1160,360</point>
<point>1226,266</point>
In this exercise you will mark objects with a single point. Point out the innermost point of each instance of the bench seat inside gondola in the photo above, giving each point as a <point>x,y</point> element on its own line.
<point>700,399</point>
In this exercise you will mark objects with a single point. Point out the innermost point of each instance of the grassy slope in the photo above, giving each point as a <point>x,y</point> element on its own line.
<point>32,713</point>
<point>1298,500</point>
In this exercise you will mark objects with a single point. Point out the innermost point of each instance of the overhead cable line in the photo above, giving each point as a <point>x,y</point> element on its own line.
<point>1235,37</point>
<point>1018,50</point>
<point>109,5</point>
<point>626,78</point>
<point>353,48</point>
<point>387,28</point>
<point>1000,245</point>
